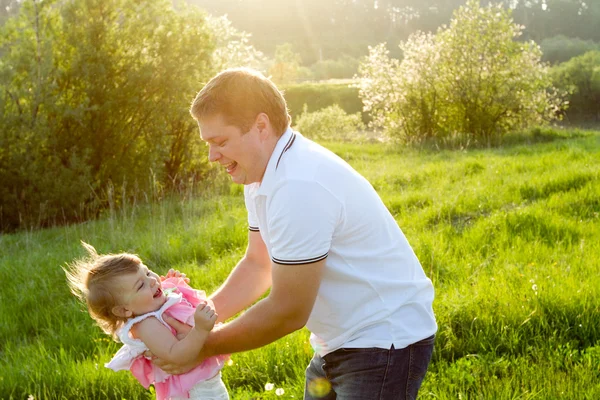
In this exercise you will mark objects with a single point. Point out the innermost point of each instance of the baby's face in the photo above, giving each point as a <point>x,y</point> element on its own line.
<point>140,292</point>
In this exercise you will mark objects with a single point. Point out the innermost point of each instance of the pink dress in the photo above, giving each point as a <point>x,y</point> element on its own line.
<point>181,304</point>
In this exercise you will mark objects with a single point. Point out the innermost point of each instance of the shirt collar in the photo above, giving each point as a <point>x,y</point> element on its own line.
<point>283,144</point>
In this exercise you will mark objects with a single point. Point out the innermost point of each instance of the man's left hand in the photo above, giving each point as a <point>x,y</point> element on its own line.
<point>170,368</point>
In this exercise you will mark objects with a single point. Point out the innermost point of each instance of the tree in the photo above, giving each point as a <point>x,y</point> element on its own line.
<point>471,80</point>
<point>580,77</point>
<point>96,93</point>
<point>286,65</point>
<point>233,48</point>
<point>8,8</point>
<point>560,48</point>
<point>548,18</point>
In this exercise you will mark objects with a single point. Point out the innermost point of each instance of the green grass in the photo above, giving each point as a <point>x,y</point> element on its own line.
<point>510,237</point>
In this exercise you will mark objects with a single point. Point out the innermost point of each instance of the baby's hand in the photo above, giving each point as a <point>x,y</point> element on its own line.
<point>205,317</point>
<point>173,273</point>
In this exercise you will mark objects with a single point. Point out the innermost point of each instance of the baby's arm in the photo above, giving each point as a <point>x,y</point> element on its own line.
<point>161,342</point>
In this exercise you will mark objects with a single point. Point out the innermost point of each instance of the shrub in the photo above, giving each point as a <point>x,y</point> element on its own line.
<point>343,68</point>
<point>580,76</point>
<point>558,49</point>
<point>330,123</point>
<point>96,93</point>
<point>471,81</point>
<point>322,95</point>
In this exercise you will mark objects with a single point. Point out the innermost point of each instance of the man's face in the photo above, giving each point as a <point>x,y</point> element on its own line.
<point>242,154</point>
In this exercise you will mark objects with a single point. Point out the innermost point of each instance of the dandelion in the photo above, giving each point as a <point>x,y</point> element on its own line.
<point>279,391</point>
<point>534,287</point>
<point>229,362</point>
<point>269,386</point>
<point>30,397</point>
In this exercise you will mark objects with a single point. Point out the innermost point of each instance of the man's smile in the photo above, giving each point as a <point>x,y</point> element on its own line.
<point>230,167</point>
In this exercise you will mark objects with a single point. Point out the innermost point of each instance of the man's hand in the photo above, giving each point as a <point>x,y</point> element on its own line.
<point>176,369</point>
<point>182,331</point>
<point>205,317</point>
<point>173,273</point>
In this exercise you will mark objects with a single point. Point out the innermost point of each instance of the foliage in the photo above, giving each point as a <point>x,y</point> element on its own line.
<point>286,65</point>
<point>471,82</point>
<point>342,68</point>
<point>580,76</point>
<point>328,30</point>
<point>95,94</point>
<point>321,95</point>
<point>233,48</point>
<point>509,236</point>
<point>560,48</point>
<point>331,123</point>
<point>548,18</point>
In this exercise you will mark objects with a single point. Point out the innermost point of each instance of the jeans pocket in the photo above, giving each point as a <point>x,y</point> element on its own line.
<point>419,359</point>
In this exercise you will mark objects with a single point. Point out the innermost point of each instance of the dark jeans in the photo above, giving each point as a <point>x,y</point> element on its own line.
<point>369,374</point>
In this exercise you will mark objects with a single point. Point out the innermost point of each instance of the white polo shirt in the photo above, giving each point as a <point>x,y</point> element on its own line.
<point>311,205</point>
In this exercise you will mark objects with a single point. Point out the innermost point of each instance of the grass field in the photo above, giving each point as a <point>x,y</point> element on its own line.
<point>510,237</point>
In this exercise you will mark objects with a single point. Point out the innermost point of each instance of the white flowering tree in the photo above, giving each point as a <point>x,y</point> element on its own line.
<point>471,81</point>
<point>232,47</point>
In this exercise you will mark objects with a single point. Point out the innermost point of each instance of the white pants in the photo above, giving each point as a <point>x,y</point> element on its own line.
<point>210,389</point>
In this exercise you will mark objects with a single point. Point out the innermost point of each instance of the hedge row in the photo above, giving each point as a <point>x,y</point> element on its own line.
<point>321,95</point>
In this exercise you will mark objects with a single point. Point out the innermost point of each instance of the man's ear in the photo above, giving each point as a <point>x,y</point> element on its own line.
<point>263,124</point>
<point>121,311</point>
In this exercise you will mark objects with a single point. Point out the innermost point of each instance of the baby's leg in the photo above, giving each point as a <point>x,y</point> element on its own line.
<point>211,389</point>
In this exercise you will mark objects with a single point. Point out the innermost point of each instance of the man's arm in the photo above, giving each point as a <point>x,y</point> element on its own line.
<point>284,310</point>
<point>249,280</point>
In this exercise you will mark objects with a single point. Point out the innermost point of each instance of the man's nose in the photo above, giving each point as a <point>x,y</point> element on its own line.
<point>213,155</point>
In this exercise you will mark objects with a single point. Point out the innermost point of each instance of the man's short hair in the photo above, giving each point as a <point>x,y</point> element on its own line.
<point>239,95</point>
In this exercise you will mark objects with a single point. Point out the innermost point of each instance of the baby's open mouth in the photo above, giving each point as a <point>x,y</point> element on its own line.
<point>158,293</point>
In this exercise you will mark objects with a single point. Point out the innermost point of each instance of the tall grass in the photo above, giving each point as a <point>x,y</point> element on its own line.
<point>509,236</point>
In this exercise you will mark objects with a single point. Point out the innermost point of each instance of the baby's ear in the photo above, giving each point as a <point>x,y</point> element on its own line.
<point>121,311</point>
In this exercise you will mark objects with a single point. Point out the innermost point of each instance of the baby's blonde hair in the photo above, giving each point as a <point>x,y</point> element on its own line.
<point>91,280</point>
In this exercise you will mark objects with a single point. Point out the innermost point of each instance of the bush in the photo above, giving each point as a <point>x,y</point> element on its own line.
<point>95,93</point>
<point>560,48</point>
<point>471,82</point>
<point>330,123</point>
<point>580,77</point>
<point>343,68</point>
<point>322,95</point>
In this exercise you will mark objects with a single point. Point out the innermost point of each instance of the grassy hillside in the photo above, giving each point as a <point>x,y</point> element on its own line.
<point>509,236</point>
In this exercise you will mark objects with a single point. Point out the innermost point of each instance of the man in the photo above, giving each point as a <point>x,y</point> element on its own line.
<point>323,241</point>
